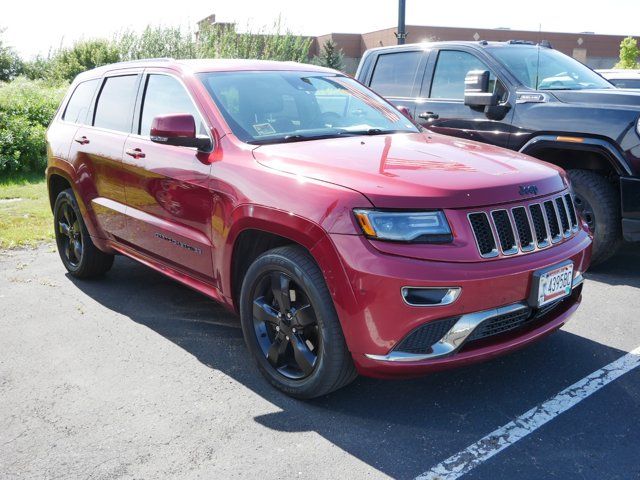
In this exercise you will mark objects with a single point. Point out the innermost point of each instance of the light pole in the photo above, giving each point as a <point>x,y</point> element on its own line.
<point>401,34</point>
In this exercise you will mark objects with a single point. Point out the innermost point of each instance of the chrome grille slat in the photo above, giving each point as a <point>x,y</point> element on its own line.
<point>553,223</point>
<point>572,211</point>
<point>483,234</point>
<point>540,225</point>
<point>563,216</point>
<point>524,228</point>
<point>504,229</point>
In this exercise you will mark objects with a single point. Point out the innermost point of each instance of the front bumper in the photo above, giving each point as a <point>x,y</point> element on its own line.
<point>630,203</point>
<point>380,319</point>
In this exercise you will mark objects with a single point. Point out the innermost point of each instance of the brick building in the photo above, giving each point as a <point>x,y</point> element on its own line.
<point>597,51</point>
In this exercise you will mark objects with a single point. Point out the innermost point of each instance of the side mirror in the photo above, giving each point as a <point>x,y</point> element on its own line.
<point>476,90</point>
<point>178,129</point>
<point>405,111</point>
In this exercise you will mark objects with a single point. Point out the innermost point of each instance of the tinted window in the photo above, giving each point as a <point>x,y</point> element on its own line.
<point>79,103</point>
<point>115,103</point>
<point>546,69</point>
<point>451,69</point>
<point>626,83</point>
<point>165,95</point>
<point>395,73</point>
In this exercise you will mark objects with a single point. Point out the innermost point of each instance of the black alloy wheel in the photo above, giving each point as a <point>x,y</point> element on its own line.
<point>285,325</point>
<point>69,233</point>
<point>290,324</point>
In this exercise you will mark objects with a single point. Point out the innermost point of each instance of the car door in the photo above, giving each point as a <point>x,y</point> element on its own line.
<point>168,197</point>
<point>397,75</point>
<point>442,109</point>
<point>96,151</point>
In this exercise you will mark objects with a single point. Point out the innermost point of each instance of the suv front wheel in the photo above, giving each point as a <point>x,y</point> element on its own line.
<point>291,327</point>
<point>598,203</point>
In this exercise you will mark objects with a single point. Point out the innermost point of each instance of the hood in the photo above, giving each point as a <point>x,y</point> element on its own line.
<point>416,170</point>
<point>612,97</point>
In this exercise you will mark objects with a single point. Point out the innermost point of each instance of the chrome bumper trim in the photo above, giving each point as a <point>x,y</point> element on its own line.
<point>458,334</point>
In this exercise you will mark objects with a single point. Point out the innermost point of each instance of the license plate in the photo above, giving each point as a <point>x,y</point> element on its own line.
<point>553,283</point>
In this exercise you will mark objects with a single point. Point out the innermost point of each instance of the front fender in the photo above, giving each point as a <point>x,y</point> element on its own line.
<point>303,232</point>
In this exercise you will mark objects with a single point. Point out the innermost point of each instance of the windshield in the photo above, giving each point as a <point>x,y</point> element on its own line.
<point>551,71</point>
<point>283,106</point>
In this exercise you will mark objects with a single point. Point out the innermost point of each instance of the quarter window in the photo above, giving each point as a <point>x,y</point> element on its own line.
<point>164,95</point>
<point>395,73</point>
<point>79,103</point>
<point>451,69</point>
<point>115,103</point>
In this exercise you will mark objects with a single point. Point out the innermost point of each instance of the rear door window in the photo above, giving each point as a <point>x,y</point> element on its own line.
<point>165,95</point>
<point>80,102</point>
<point>395,73</point>
<point>115,103</point>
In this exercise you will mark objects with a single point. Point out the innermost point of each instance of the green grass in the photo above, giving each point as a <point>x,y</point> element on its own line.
<point>25,214</point>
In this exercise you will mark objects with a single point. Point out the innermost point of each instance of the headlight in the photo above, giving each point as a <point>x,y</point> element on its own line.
<point>415,227</point>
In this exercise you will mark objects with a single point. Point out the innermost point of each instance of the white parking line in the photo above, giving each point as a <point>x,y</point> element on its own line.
<point>466,460</point>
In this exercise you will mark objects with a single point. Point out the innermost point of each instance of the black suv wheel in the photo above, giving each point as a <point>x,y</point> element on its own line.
<point>598,202</point>
<point>291,327</point>
<point>78,253</point>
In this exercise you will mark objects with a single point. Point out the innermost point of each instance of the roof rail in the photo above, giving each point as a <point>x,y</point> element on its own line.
<point>141,60</point>
<point>545,44</point>
<point>520,42</point>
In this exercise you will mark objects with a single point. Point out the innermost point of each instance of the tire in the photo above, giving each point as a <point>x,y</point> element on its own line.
<point>598,202</point>
<point>79,255</point>
<point>305,334</point>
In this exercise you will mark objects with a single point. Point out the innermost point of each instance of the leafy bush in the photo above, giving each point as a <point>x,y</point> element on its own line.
<point>10,63</point>
<point>26,108</point>
<point>629,52</point>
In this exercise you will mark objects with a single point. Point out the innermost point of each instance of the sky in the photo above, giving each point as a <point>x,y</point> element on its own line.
<point>34,27</point>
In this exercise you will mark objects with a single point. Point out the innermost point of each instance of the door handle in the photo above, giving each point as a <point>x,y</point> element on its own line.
<point>429,116</point>
<point>82,140</point>
<point>135,153</point>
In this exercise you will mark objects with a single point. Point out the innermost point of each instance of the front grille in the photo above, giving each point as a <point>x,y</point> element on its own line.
<point>422,338</point>
<point>539,226</point>
<point>524,228</point>
<point>484,236</point>
<point>505,232</point>
<point>512,320</point>
<point>552,219</point>
<point>572,210</point>
<point>500,324</point>
<point>564,217</point>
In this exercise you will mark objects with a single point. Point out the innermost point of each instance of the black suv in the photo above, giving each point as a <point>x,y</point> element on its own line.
<point>533,99</point>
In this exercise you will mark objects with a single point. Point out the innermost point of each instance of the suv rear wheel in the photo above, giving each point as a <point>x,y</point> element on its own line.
<point>78,253</point>
<point>291,327</point>
<point>597,201</point>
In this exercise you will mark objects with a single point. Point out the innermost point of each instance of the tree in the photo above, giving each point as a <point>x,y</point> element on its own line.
<point>629,53</point>
<point>330,57</point>
<point>10,63</point>
<point>84,55</point>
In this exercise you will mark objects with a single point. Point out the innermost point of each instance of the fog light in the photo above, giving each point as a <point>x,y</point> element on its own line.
<point>430,296</point>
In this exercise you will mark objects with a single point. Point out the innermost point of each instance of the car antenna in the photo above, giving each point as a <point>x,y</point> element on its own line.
<point>538,59</point>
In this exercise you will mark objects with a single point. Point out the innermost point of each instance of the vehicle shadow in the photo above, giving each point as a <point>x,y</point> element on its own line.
<point>621,269</point>
<point>397,427</point>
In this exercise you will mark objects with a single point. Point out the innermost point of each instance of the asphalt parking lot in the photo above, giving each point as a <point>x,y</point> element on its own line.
<point>135,376</point>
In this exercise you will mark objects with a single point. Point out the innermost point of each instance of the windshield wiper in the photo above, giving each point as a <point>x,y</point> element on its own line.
<point>372,131</point>
<point>296,137</point>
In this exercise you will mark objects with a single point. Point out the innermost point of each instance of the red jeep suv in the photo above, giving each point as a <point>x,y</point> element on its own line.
<point>348,239</point>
